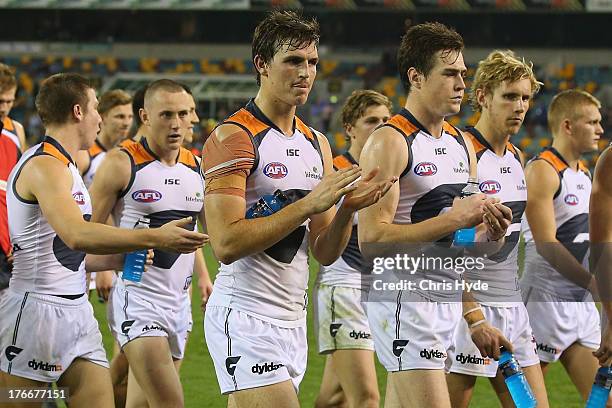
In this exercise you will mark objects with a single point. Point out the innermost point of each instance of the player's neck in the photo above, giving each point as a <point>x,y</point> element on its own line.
<point>355,152</point>
<point>281,114</point>
<point>431,121</point>
<point>105,141</point>
<point>168,157</point>
<point>497,140</point>
<point>564,147</point>
<point>68,138</point>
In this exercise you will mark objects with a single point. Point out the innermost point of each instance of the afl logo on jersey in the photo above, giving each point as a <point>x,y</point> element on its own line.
<point>79,197</point>
<point>425,169</point>
<point>275,170</point>
<point>571,199</point>
<point>490,187</point>
<point>146,196</point>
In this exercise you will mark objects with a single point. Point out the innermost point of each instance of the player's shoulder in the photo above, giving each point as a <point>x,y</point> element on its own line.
<point>227,130</point>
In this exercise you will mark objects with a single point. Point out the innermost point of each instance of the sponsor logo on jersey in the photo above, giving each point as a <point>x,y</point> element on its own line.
<point>146,196</point>
<point>523,186</point>
<point>472,359</point>
<point>79,197</point>
<point>11,352</point>
<point>259,369</point>
<point>187,282</point>
<point>333,329</point>
<point>230,364</point>
<point>461,168</point>
<point>126,325</point>
<point>359,335</point>
<point>197,199</point>
<point>398,346</point>
<point>571,199</point>
<point>425,169</point>
<point>490,187</point>
<point>546,348</point>
<point>44,366</point>
<point>314,174</point>
<point>152,327</point>
<point>275,170</point>
<point>432,353</point>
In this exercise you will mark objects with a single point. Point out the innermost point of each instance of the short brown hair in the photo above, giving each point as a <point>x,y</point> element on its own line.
<point>419,46</point>
<point>59,94</point>
<point>166,85</point>
<point>500,66</point>
<point>283,28</point>
<point>110,99</point>
<point>563,106</point>
<point>360,100</point>
<point>7,78</point>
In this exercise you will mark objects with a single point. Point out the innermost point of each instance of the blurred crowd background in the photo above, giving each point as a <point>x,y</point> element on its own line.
<point>206,44</point>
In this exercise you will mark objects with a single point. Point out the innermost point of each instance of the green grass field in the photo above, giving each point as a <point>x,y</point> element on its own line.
<point>201,389</point>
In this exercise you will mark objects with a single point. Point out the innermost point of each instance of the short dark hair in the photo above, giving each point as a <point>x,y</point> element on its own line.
<point>281,28</point>
<point>59,94</point>
<point>138,104</point>
<point>419,46</point>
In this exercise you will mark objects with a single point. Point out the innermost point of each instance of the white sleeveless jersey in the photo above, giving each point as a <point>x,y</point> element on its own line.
<point>571,207</point>
<point>43,263</point>
<point>96,155</point>
<point>161,193</point>
<point>271,285</point>
<point>503,178</point>
<point>346,270</point>
<point>437,171</point>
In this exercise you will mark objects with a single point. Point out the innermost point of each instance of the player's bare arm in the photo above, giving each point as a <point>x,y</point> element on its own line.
<point>600,227</point>
<point>49,182</point>
<point>112,177</point>
<point>487,338</point>
<point>542,182</point>
<point>330,230</point>
<point>225,213</point>
<point>376,221</point>
<point>201,270</point>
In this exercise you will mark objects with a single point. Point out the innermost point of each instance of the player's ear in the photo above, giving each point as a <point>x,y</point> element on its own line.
<point>415,78</point>
<point>348,129</point>
<point>144,116</point>
<point>481,98</point>
<point>260,65</point>
<point>78,112</point>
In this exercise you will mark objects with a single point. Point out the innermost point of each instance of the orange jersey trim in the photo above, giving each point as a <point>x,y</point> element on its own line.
<point>400,122</point>
<point>244,118</point>
<point>138,153</point>
<point>51,150</point>
<point>341,162</point>
<point>553,160</point>
<point>8,124</point>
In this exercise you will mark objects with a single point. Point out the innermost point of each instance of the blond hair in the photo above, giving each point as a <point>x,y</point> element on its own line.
<point>564,106</point>
<point>500,66</point>
<point>360,100</point>
<point>111,99</point>
<point>7,78</point>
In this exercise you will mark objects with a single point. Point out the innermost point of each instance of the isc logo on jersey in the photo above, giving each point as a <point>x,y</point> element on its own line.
<point>275,170</point>
<point>571,199</point>
<point>425,169</point>
<point>490,187</point>
<point>79,197</point>
<point>146,196</point>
